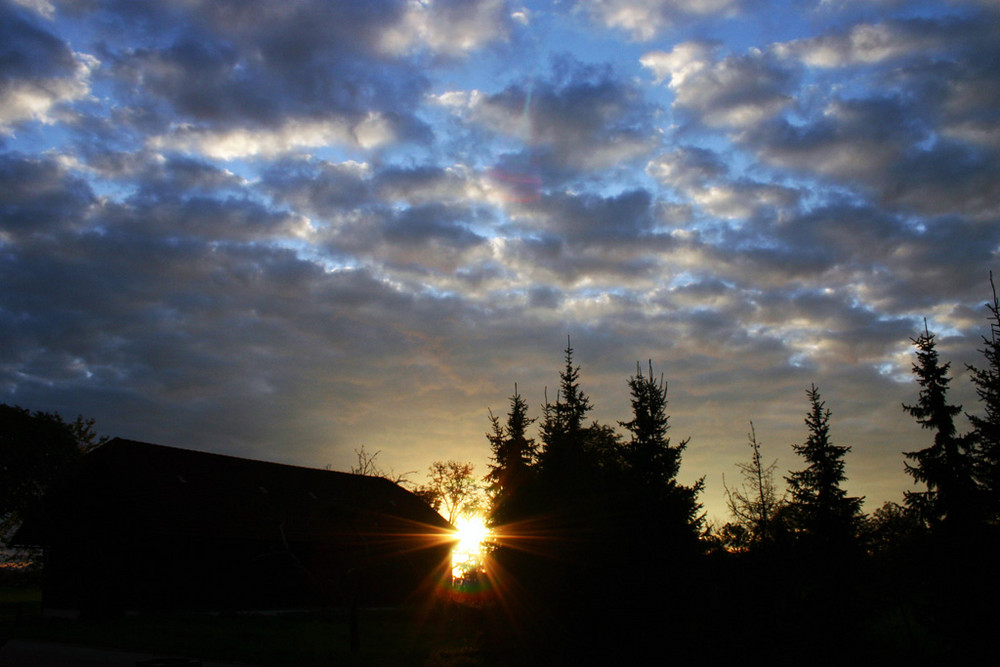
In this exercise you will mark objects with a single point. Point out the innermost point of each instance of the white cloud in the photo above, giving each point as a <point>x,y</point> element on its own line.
<point>448,28</point>
<point>644,19</point>
<point>862,44</point>
<point>741,201</point>
<point>38,99</point>
<point>372,131</point>
<point>42,7</point>
<point>737,91</point>
<point>680,63</point>
<point>457,100</point>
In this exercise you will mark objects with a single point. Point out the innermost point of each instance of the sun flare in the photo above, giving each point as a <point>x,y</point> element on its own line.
<point>468,554</point>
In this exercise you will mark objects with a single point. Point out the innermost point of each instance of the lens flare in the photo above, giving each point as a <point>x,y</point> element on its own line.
<point>469,552</point>
<point>515,186</point>
<point>469,582</point>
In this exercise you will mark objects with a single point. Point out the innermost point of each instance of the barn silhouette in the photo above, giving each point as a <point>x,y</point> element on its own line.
<point>143,526</point>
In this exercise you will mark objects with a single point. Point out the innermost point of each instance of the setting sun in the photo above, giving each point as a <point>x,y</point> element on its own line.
<point>468,553</point>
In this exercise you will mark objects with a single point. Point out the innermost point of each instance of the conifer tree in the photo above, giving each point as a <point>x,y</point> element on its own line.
<point>986,428</point>
<point>946,466</point>
<point>649,454</point>
<point>652,462</point>
<point>821,509</point>
<point>562,430</point>
<point>513,455</point>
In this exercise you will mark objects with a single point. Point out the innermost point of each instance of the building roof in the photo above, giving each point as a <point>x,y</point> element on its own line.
<point>135,487</point>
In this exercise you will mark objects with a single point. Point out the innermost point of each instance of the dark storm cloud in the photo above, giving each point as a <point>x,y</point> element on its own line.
<point>567,238</point>
<point>834,312</point>
<point>971,100</point>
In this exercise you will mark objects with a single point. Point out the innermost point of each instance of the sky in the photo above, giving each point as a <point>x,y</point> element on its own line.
<point>290,230</point>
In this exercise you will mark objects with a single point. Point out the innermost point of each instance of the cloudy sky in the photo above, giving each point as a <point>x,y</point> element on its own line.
<point>287,230</point>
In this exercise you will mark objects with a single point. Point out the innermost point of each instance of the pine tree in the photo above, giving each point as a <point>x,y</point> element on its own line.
<point>652,462</point>
<point>649,454</point>
<point>946,467</point>
<point>986,428</point>
<point>562,430</point>
<point>513,455</point>
<point>822,510</point>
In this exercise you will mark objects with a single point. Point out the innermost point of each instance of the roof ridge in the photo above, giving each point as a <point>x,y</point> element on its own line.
<point>232,457</point>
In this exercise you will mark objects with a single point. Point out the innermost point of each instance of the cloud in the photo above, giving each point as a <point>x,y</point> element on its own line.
<point>702,176</point>
<point>292,134</point>
<point>687,167</point>
<point>588,218</point>
<point>734,91</point>
<point>38,72</point>
<point>447,27</point>
<point>582,118</point>
<point>40,198</point>
<point>854,139</point>
<point>864,44</point>
<point>971,101</point>
<point>285,230</point>
<point>250,79</point>
<point>426,184</point>
<point>322,190</point>
<point>645,19</point>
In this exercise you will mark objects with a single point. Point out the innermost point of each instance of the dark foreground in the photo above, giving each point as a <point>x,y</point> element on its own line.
<point>918,607</point>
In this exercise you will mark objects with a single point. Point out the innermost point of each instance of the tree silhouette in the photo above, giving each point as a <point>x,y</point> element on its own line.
<point>452,489</point>
<point>36,449</point>
<point>892,528</point>
<point>755,503</point>
<point>561,429</point>
<point>821,509</point>
<point>946,466</point>
<point>513,455</point>
<point>652,461</point>
<point>986,428</point>
<point>368,465</point>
